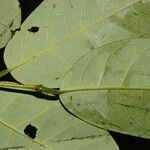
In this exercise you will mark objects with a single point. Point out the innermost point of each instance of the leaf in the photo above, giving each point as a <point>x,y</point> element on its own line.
<point>10,19</point>
<point>64,31</point>
<point>110,87</point>
<point>56,129</point>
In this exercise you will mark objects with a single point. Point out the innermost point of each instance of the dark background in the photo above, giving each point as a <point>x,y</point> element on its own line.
<point>125,142</point>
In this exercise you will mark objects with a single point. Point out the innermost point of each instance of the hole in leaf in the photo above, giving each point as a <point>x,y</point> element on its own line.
<point>30,131</point>
<point>33,29</point>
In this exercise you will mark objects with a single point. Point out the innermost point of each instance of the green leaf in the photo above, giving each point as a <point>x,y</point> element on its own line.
<point>110,87</point>
<point>65,31</point>
<point>10,19</point>
<point>56,129</point>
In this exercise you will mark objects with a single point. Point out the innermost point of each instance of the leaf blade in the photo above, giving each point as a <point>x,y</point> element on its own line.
<point>103,88</point>
<point>61,41</point>
<point>56,129</point>
<point>10,21</point>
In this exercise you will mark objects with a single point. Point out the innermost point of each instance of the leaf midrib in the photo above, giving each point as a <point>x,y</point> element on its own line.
<point>103,88</point>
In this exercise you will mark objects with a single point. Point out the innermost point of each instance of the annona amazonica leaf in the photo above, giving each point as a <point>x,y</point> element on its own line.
<point>67,31</point>
<point>31,123</point>
<point>110,87</point>
<point>10,19</point>
<point>59,32</point>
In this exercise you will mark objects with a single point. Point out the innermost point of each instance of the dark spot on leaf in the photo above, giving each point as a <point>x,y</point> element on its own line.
<point>33,29</point>
<point>147,110</point>
<point>70,4</point>
<point>56,78</point>
<point>135,13</point>
<point>78,104</point>
<point>54,123</point>
<point>92,47</point>
<point>79,138</point>
<point>142,35</point>
<point>70,97</point>
<point>11,24</point>
<point>54,6</point>
<point>130,123</point>
<point>10,148</point>
<point>103,123</point>
<point>30,131</point>
<point>140,96</point>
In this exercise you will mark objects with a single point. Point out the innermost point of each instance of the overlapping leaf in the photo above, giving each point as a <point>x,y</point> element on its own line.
<point>10,19</point>
<point>110,87</point>
<point>56,129</point>
<point>67,31</point>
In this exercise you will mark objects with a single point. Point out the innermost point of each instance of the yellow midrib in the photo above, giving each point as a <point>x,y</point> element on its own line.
<point>103,88</point>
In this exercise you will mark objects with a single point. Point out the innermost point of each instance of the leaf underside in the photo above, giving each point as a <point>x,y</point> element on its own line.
<point>56,129</point>
<point>10,20</point>
<point>122,64</point>
<point>89,44</point>
<point>66,33</point>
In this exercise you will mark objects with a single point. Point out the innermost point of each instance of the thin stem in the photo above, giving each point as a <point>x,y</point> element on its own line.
<point>13,85</point>
<point>43,89</point>
<point>4,72</point>
<point>30,87</point>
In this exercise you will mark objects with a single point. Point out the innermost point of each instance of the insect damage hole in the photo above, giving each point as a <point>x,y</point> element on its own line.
<point>33,29</point>
<point>30,131</point>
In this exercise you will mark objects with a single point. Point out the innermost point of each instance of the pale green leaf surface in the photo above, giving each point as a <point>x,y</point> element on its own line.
<point>10,19</point>
<point>67,31</point>
<point>57,129</point>
<point>122,64</point>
